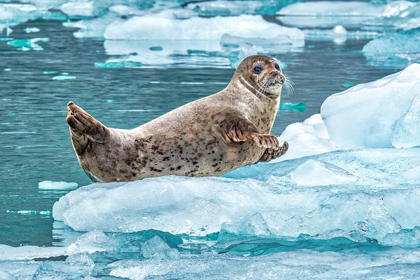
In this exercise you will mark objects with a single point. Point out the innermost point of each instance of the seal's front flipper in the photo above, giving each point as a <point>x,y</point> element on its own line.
<point>271,153</point>
<point>84,127</point>
<point>241,129</point>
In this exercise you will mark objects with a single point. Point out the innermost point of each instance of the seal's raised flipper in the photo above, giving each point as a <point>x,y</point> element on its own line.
<point>84,127</point>
<point>271,154</point>
<point>241,129</point>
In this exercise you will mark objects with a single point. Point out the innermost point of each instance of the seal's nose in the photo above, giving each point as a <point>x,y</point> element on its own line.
<point>274,73</point>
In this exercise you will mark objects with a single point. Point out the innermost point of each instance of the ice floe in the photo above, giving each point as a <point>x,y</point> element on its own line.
<point>346,13</point>
<point>62,186</point>
<point>151,28</point>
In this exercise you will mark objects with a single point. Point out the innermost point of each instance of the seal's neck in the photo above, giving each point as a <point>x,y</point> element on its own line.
<point>250,87</point>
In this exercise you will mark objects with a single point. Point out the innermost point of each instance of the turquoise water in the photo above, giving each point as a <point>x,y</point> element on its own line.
<point>35,144</point>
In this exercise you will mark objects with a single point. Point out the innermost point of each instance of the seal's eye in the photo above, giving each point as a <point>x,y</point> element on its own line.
<point>257,69</point>
<point>277,66</point>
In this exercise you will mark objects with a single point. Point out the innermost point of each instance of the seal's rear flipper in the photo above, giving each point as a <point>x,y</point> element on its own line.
<point>84,127</point>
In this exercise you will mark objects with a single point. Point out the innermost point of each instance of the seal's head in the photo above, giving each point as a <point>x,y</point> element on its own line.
<point>261,75</point>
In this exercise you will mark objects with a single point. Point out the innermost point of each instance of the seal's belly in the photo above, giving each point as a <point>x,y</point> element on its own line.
<point>189,154</point>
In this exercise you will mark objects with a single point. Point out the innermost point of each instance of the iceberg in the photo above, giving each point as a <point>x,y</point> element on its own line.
<point>151,28</point>
<point>328,14</point>
<point>364,115</point>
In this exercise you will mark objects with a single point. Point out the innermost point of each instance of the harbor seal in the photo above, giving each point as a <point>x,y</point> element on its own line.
<point>207,137</point>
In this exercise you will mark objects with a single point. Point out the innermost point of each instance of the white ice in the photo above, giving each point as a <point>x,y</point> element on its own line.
<point>364,115</point>
<point>406,131</point>
<point>331,13</point>
<point>394,43</point>
<point>83,8</point>
<point>151,28</point>
<point>62,186</point>
<point>307,138</point>
<point>352,181</point>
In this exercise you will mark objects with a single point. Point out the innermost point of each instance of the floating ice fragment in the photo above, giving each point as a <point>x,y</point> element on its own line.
<point>347,85</point>
<point>31,212</point>
<point>316,173</point>
<point>406,131</point>
<point>118,64</point>
<point>62,78</point>
<point>364,114</point>
<point>31,29</point>
<point>28,44</point>
<point>28,252</point>
<point>62,186</point>
<point>50,72</point>
<point>7,69</point>
<point>298,107</point>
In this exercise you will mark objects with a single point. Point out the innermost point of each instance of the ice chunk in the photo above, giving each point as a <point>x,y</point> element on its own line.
<point>156,248</point>
<point>298,107</point>
<point>398,16</point>
<point>8,253</point>
<point>307,138</point>
<point>62,186</point>
<point>83,8</point>
<point>224,8</point>
<point>151,28</point>
<point>63,77</point>
<point>92,28</point>
<point>75,267</point>
<point>31,29</point>
<point>6,276</point>
<point>28,44</point>
<point>364,114</point>
<point>329,13</point>
<point>395,43</point>
<point>316,173</point>
<point>119,64</point>
<point>406,132</point>
<point>31,212</point>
